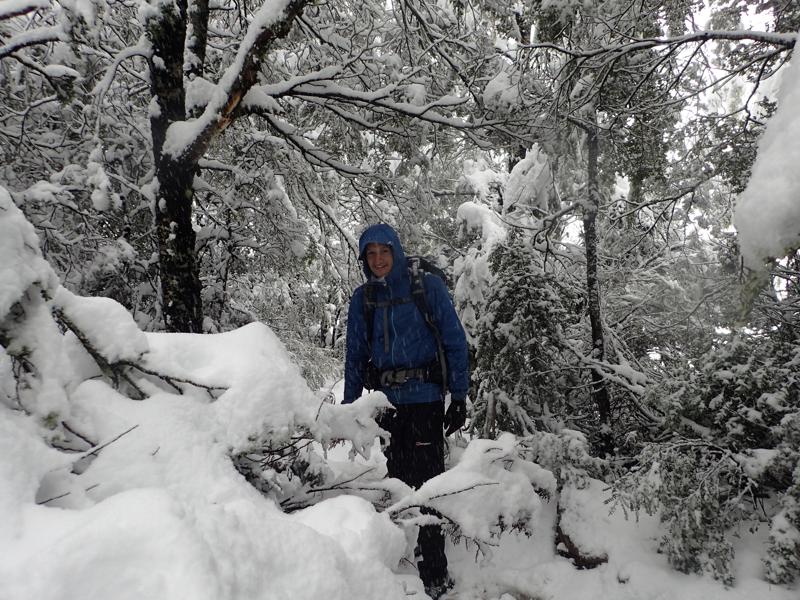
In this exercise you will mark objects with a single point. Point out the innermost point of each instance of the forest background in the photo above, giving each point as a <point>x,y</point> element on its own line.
<point>575,167</point>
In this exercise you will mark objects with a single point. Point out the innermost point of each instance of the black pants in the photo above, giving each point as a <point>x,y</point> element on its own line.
<point>416,454</point>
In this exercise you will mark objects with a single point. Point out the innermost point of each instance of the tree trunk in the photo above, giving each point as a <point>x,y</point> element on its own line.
<point>180,281</point>
<point>599,389</point>
<point>182,306</point>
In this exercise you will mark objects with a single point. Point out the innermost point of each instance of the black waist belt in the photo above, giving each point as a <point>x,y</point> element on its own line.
<point>397,377</point>
<point>375,379</point>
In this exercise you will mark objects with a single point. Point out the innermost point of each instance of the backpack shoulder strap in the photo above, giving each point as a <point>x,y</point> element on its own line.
<point>421,300</point>
<point>369,312</point>
<point>370,304</point>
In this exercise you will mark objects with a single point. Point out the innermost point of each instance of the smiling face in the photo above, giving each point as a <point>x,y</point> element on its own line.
<point>379,259</point>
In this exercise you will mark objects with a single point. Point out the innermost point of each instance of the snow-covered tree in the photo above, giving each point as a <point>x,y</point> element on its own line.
<point>524,365</point>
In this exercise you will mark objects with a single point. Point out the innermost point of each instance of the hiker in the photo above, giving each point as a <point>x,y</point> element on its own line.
<point>391,348</point>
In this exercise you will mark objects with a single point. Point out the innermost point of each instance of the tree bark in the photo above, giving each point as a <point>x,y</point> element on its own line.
<point>599,389</point>
<point>180,280</point>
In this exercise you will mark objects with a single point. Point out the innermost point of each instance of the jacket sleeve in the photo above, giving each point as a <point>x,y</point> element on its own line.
<point>356,349</point>
<point>454,339</point>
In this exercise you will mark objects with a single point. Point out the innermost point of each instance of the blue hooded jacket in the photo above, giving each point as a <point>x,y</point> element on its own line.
<point>410,343</point>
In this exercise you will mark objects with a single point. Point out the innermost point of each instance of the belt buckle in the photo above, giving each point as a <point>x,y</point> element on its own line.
<point>394,378</point>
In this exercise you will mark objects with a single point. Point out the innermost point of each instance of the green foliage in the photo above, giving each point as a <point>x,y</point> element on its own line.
<point>782,560</point>
<point>51,420</point>
<point>284,470</point>
<point>566,454</point>
<point>699,491</point>
<point>732,144</point>
<point>742,390</point>
<point>522,343</point>
<point>732,458</point>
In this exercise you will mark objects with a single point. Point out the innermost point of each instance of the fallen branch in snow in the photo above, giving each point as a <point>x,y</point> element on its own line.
<point>72,431</point>
<point>53,498</point>
<point>173,380</point>
<point>67,443</point>
<point>283,472</point>
<point>569,549</point>
<point>435,516</point>
<point>397,508</point>
<point>341,484</point>
<point>113,371</point>
<point>93,451</point>
<point>118,370</point>
<point>64,495</point>
<point>377,485</point>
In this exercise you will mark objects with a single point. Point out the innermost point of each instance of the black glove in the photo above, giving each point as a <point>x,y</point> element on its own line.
<point>455,417</point>
<point>385,418</point>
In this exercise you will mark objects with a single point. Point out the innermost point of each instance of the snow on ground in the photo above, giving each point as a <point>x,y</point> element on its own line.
<point>521,567</point>
<point>161,513</point>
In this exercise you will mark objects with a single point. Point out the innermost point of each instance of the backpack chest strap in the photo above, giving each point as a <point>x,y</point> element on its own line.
<point>387,303</point>
<point>370,304</point>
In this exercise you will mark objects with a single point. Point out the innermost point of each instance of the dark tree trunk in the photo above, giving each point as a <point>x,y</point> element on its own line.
<point>181,301</point>
<point>599,389</point>
<point>180,282</point>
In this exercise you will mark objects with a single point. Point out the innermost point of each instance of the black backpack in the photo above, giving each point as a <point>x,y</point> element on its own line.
<point>418,268</point>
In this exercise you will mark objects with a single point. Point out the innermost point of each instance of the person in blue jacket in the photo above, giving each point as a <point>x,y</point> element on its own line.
<point>398,354</point>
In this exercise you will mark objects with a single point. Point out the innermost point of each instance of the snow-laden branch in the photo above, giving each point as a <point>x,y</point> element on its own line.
<point>142,48</point>
<point>438,41</point>
<point>356,118</point>
<point>624,376</point>
<point>115,343</point>
<point>287,87</point>
<point>320,88</point>
<point>492,488</point>
<point>174,380</point>
<point>43,35</point>
<point>376,100</point>
<point>16,8</point>
<point>785,40</point>
<point>313,154</point>
<point>272,21</point>
<point>109,368</point>
<point>325,208</point>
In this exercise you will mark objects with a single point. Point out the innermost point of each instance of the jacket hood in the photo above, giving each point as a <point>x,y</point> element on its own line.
<point>383,234</point>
